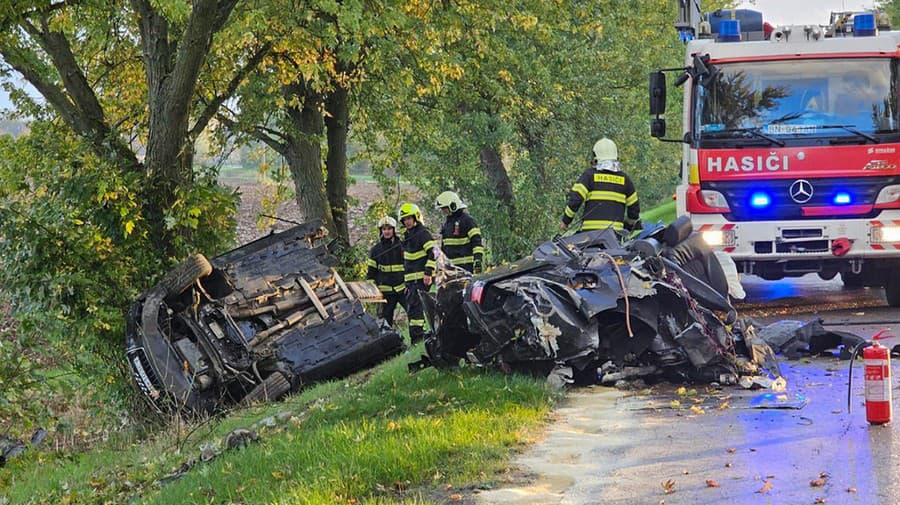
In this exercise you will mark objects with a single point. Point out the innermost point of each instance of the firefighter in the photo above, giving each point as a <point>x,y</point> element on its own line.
<point>386,268</point>
<point>419,264</point>
<point>460,235</point>
<point>609,197</point>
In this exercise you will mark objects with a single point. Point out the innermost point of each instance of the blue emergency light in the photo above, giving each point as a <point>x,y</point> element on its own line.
<point>864,25</point>
<point>760,200</point>
<point>841,198</point>
<point>730,30</point>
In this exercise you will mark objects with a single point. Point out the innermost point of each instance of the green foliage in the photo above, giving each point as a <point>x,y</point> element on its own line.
<point>205,214</point>
<point>537,81</point>
<point>76,251</point>
<point>892,7</point>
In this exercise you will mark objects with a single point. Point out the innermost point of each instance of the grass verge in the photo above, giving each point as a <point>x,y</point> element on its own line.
<point>664,213</point>
<point>380,437</point>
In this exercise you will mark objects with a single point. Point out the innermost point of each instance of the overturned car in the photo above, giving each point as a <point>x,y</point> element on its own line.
<point>251,325</point>
<point>658,304</point>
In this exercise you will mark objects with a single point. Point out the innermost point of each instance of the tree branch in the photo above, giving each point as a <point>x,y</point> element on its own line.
<point>260,133</point>
<point>76,101</point>
<point>213,106</point>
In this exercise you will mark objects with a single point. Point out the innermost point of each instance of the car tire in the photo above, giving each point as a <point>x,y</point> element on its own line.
<point>274,387</point>
<point>184,275</point>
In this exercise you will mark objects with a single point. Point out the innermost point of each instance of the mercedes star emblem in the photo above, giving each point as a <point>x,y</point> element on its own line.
<point>801,191</point>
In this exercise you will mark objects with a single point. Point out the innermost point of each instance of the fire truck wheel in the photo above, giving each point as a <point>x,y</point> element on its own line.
<point>892,291</point>
<point>851,280</point>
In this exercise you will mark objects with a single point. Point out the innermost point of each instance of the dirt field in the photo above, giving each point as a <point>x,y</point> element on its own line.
<point>252,194</point>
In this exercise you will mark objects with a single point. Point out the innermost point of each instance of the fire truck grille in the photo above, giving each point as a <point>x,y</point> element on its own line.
<point>862,193</point>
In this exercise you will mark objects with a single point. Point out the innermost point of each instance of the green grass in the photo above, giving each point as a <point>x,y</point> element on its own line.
<point>664,213</point>
<point>382,437</point>
<point>238,172</point>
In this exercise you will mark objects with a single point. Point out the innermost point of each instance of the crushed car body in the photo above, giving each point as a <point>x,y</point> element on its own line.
<point>657,305</point>
<point>252,324</point>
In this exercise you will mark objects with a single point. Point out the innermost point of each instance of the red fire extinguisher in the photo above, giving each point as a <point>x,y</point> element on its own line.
<point>877,359</point>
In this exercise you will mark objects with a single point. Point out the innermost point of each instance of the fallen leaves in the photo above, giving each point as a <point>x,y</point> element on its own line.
<point>668,486</point>
<point>767,486</point>
<point>823,478</point>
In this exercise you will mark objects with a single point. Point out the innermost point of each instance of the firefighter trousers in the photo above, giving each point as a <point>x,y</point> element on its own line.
<point>388,308</point>
<point>414,311</point>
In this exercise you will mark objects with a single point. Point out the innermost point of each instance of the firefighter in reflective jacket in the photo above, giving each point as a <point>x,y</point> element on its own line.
<point>460,235</point>
<point>419,263</point>
<point>386,268</point>
<point>608,194</point>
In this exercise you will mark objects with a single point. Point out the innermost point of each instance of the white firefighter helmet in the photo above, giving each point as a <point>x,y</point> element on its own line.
<point>605,150</point>
<point>449,200</point>
<point>387,221</point>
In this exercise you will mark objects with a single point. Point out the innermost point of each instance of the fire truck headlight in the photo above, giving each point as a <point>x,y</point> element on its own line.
<point>717,238</point>
<point>888,194</point>
<point>886,234</point>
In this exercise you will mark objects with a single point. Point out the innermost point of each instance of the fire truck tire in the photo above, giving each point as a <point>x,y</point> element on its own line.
<point>892,291</point>
<point>851,280</point>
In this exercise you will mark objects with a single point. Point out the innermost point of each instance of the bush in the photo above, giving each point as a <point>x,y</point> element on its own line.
<point>75,251</point>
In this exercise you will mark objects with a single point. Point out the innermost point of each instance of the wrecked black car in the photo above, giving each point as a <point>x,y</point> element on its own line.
<point>656,305</point>
<point>251,325</point>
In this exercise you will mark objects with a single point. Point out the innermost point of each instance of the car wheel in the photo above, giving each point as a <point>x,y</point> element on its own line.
<point>183,275</point>
<point>274,387</point>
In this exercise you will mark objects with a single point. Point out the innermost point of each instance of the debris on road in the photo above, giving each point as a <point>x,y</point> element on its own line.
<point>795,339</point>
<point>780,400</point>
<point>251,325</point>
<point>655,307</point>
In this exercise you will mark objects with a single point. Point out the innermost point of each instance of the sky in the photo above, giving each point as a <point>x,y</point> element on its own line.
<point>776,12</point>
<point>802,12</point>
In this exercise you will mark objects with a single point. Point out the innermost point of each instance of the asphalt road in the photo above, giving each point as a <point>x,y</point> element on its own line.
<point>709,446</point>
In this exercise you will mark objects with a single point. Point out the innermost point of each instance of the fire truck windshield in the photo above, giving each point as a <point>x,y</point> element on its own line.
<point>798,101</point>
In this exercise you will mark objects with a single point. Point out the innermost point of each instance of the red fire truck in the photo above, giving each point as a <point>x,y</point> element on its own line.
<point>791,143</point>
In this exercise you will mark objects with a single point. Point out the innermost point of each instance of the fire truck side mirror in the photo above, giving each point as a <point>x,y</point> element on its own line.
<point>700,69</point>
<point>658,128</point>
<point>657,93</point>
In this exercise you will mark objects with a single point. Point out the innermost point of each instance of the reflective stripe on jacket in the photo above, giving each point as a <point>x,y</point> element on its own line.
<point>418,253</point>
<point>385,265</point>
<point>461,239</point>
<point>609,199</point>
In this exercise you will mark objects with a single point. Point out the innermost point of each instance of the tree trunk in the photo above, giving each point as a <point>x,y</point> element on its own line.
<point>495,172</point>
<point>337,122</point>
<point>304,153</point>
<point>537,152</point>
